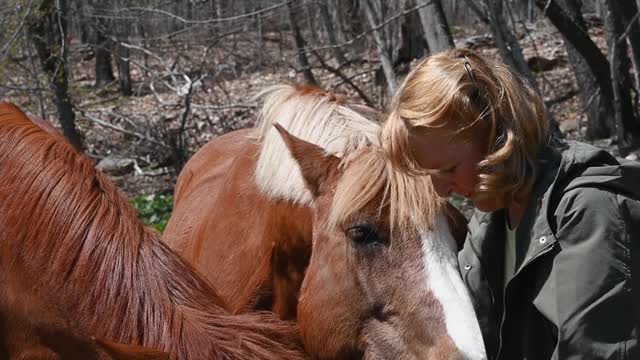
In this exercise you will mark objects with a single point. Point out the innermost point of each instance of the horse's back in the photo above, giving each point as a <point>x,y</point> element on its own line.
<point>211,162</point>
<point>199,186</point>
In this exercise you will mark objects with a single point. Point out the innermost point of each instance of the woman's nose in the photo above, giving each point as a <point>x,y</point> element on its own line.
<point>442,186</point>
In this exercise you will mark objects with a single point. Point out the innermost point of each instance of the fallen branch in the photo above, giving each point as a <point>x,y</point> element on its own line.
<point>223,107</point>
<point>566,96</point>
<point>124,131</point>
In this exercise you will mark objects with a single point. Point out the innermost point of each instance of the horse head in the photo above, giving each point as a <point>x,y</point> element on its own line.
<point>383,280</point>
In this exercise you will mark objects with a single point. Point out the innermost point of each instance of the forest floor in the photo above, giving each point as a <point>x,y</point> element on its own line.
<point>148,123</point>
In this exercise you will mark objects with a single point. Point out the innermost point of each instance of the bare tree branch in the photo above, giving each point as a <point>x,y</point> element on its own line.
<point>208,21</point>
<point>181,143</point>
<point>341,75</point>
<point>7,45</point>
<point>628,29</point>
<point>372,29</point>
<point>224,107</point>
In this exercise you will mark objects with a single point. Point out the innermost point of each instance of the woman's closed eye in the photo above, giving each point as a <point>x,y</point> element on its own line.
<point>448,171</point>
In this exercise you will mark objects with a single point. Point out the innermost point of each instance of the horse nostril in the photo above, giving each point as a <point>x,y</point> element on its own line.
<point>380,312</point>
<point>350,354</point>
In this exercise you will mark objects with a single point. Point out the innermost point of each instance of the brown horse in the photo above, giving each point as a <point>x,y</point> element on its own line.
<point>76,263</point>
<point>360,254</point>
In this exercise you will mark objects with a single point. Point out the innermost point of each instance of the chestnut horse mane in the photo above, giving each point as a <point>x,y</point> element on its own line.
<point>334,123</point>
<point>68,229</point>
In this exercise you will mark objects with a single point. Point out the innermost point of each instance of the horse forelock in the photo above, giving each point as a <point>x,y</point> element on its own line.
<point>316,116</point>
<point>69,230</point>
<point>369,180</point>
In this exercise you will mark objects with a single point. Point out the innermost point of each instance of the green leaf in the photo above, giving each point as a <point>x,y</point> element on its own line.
<point>154,210</point>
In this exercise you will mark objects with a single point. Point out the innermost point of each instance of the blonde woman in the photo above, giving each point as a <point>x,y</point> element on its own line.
<point>552,254</point>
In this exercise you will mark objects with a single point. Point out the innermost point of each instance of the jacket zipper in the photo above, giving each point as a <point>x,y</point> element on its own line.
<point>484,273</point>
<point>504,297</point>
<point>475,252</point>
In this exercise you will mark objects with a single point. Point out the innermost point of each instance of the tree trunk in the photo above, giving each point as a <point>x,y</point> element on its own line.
<point>599,107</point>
<point>259,39</point>
<point>86,32</point>
<point>33,72</point>
<point>189,10</point>
<point>311,20</point>
<point>589,51</point>
<point>217,5</point>
<point>435,26</point>
<point>414,44</point>
<point>581,41</point>
<point>629,10</point>
<point>47,29</point>
<point>340,12</point>
<point>175,10</point>
<point>481,14</point>
<point>530,12</point>
<point>383,48</point>
<point>598,4</point>
<point>331,32</point>
<point>507,44</point>
<point>124,73</point>
<point>300,47</point>
<point>244,8</point>
<point>102,51</point>
<point>628,129</point>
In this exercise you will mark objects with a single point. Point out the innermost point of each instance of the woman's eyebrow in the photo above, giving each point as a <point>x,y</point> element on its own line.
<point>442,169</point>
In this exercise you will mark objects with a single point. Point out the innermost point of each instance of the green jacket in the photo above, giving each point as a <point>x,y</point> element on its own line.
<point>574,294</point>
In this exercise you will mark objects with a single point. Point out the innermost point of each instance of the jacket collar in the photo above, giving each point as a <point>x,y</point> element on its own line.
<point>534,232</point>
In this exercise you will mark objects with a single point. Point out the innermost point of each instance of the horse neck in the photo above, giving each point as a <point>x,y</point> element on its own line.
<point>75,237</point>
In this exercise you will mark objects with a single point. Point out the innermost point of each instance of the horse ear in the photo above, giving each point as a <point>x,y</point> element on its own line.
<point>315,163</point>
<point>118,351</point>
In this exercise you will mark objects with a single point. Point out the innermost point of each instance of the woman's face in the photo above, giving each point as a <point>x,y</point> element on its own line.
<point>453,163</point>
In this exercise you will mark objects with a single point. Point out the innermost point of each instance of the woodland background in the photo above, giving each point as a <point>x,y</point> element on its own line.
<point>140,85</point>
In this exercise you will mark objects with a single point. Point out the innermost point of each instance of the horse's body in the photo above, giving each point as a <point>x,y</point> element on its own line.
<point>241,215</point>
<point>76,262</point>
<point>218,181</point>
<point>244,217</point>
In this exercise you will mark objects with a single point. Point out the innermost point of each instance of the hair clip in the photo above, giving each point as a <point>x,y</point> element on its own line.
<point>467,66</point>
<point>475,96</point>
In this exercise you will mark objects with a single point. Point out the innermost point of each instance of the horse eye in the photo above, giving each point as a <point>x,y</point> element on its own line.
<point>362,234</point>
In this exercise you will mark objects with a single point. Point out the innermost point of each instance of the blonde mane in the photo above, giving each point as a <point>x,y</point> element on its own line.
<point>412,200</point>
<point>333,123</point>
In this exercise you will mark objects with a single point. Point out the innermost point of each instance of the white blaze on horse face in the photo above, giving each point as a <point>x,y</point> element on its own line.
<point>443,279</point>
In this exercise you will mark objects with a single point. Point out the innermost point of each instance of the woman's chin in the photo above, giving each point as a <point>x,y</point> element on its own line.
<point>485,205</point>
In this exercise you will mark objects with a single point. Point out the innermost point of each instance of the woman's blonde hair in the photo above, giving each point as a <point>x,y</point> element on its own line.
<point>464,94</point>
